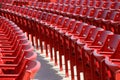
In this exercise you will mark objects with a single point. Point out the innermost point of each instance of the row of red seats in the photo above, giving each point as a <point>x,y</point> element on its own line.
<point>75,40</point>
<point>17,57</point>
<point>104,14</point>
<point>20,3</point>
<point>105,17</point>
<point>6,1</point>
<point>82,1</point>
<point>97,3</point>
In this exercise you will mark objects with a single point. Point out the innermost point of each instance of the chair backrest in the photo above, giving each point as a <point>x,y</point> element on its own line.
<point>65,8</point>
<point>71,9</point>
<point>61,21</point>
<point>92,3</point>
<point>79,28</point>
<point>54,19</point>
<point>110,69</point>
<point>94,12</point>
<point>50,5</point>
<point>86,31</point>
<point>93,33</point>
<point>44,5</point>
<point>31,55</point>
<point>111,15</point>
<point>102,14</point>
<point>101,38</point>
<point>44,16</point>
<point>78,10</point>
<point>117,17</point>
<point>55,6</point>
<point>115,5</point>
<point>48,17</point>
<point>67,1</point>
<point>71,25</point>
<point>106,5</point>
<point>60,7</point>
<point>111,43</point>
<point>33,67</point>
<point>86,11</point>
<point>99,4</point>
<point>79,2</point>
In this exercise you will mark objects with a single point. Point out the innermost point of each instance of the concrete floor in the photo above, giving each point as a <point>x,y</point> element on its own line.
<point>48,71</point>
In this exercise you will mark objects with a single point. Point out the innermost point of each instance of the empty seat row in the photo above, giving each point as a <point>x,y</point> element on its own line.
<point>82,1</point>
<point>17,57</point>
<point>104,14</point>
<point>86,46</point>
<point>105,18</point>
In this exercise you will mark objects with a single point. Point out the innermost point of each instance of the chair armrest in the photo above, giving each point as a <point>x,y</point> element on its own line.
<point>7,52</point>
<point>5,46</point>
<point>10,76</point>
<point>106,53</point>
<point>96,47</point>
<point>8,58</point>
<point>8,66</point>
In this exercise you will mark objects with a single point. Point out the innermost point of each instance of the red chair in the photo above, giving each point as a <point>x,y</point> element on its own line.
<point>110,69</point>
<point>78,43</point>
<point>79,2</point>
<point>78,10</point>
<point>33,5</point>
<point>40,4</point>
<point>44,6</point>
<point>99,4</point>
<point>92,4</point>
<point>114,27</point>
<point>54,39</point>
<point>73,2</point>
<point>101,15</point>
<point>87,51</point>
<point>61,1</point>
<point>86,2</point>
<point>55,7</point>
<point>109,49</point>
<point>107,20</point>
<point>115,6</point>
<point>21,53</point>
<point>52,22</point>
<point>50,5</point>
<point>62,21</point>
<point>67,2</point>
<point>65,10</point>
<point>27,67</point>
<point>72,53</point>
<point>93,13</point>
<point>70,11</point>
<point>86,11</point>
<point>60,9</point>
<point>61,33</point>
<point>106,5</point>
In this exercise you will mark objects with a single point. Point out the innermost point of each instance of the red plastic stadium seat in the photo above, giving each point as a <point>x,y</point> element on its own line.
<point>107,20</point>
<point>27,67</point>
<point>99,4</point>
<point>88,49</point>
<point>110,69</point>
<point>93,13</point>
<point>115,5</point>
<point>101,15</point>
<point>106,5</point>
<point>110,47</point>
<point>78,10</point>
<point>114,26</point>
